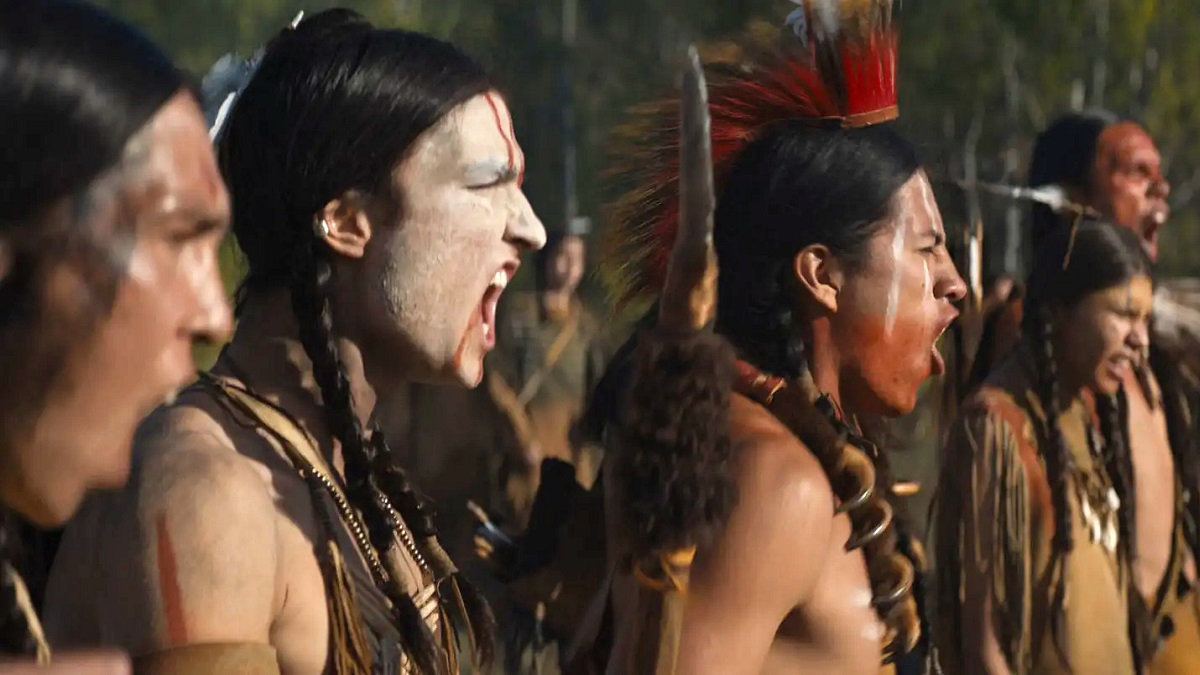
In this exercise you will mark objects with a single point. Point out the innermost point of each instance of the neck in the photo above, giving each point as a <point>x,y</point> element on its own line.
<point>557,300</point>
<point>266,352</point>
<point>824,361</point>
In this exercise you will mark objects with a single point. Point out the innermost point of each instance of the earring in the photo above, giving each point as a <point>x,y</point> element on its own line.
<point>321,228</point>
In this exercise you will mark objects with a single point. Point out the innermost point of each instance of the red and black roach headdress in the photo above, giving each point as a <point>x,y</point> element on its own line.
<point>836,66</point>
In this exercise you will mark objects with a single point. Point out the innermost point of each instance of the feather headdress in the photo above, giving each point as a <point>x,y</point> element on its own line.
<point>835,67</point>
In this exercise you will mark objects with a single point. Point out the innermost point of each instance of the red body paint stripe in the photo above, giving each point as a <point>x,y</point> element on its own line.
<point>507,141</point>
<point>168,585</point>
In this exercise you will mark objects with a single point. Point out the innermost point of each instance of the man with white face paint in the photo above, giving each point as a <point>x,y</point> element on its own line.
<point>266,527</point>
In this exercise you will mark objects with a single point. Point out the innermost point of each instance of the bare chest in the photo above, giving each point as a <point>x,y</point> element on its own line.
<point>837,631</point>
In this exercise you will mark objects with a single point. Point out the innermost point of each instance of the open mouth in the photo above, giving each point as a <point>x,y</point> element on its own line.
<point>491,300</point>
<point>1120,365</point>
<point>935,355</point>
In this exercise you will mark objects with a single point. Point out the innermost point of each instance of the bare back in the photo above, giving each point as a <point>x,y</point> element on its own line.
<point>776,592</point>
<point>211,541</point>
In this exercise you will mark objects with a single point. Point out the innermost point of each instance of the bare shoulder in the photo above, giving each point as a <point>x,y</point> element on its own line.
<point>185,452</point>
<point>187,552</point>
<point>775,469</point>
<point>768,559</point>
<point>785,505</point>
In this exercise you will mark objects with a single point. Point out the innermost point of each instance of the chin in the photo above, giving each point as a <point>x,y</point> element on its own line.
<point>1106,386</point>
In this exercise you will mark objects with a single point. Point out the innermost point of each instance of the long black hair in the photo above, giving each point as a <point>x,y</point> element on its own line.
<point>1072,264</point>
<point>76,86</point>
<point>335,106</point>
<point>1063,155</point>
<point>796,185</point>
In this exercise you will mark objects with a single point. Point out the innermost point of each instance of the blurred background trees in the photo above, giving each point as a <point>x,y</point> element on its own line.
<point>978,79</point>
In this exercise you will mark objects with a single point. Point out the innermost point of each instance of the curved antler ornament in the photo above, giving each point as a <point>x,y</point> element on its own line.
<point>689,296</point>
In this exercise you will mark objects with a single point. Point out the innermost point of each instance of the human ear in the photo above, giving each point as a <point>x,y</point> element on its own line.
<point>818,271</point>
<point>344,225</point>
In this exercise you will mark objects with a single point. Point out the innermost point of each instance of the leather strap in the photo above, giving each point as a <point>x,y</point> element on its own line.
<point>232,658</point>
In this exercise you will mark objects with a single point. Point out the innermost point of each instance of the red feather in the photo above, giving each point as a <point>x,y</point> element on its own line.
<point>846,81</point>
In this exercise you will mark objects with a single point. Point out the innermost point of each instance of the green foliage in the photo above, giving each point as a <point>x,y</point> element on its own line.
<point>1002,67</point>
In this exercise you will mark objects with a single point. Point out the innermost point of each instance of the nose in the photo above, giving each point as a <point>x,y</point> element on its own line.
<point>524,229</point>
<point>1139,336</point>
<point>211,320</point>
<point>949,284</point>
<point>1160,187</point>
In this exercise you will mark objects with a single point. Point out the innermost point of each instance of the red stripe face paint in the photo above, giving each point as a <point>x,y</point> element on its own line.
<point>168,585</point>
<point>509,138</point>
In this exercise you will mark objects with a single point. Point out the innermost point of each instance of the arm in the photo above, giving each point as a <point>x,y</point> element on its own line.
<point>188,554</point>
<point>762,565</point>
<point>987,470</point>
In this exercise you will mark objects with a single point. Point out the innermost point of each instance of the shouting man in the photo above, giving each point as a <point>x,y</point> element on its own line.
<point>746,531</point>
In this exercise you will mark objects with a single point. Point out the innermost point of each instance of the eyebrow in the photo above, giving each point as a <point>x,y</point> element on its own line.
<point>204,220</point>
<point>490,170</point>
<point>938,236</point>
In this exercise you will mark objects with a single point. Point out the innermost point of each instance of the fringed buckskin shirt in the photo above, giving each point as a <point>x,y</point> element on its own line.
<point>994,529</point>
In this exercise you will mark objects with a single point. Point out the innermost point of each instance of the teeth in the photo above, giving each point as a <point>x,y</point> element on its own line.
<point>170,398</point>
<point>500,280</point>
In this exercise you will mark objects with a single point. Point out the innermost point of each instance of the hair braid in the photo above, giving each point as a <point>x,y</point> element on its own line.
<point>418,512</point>
<point>1059,466</point>
<point>1114,426</point>
<point>1181,403</point>
<point>311,303</point>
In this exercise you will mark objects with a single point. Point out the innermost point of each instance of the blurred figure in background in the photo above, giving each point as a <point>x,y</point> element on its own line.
<point>111,211</point>
<point>550,352</point>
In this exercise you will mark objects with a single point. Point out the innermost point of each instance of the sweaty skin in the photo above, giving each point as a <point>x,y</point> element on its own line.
<point>777,592</point>
<point>212,539</point>
<point>890,351</point>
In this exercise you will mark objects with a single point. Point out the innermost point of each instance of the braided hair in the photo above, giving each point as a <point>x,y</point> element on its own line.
<point>334,106</point>
<point>80,85</point>
<point>1072,264</point>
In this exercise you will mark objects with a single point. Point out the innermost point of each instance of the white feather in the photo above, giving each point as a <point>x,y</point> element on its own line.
<point>1177,319</point>
<point>226,81</point>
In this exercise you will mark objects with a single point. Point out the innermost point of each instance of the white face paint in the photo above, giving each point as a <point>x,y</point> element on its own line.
<point>903,226</point>
<point>930,206</point>
<point>457,244</point>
